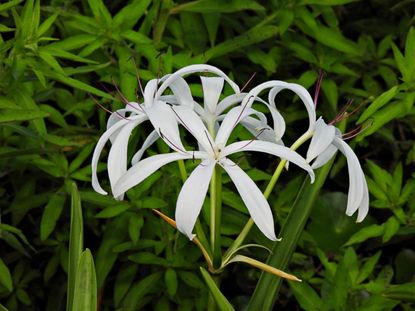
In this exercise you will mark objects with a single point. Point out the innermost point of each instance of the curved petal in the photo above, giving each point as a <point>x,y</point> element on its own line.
<point>182,92</point>
<point>194,124</point>
<point>324,157</point>
<point>192,195</point>
<point>232,118</point>
<point>193,69</point>
<point>253,198</point>
<point>117,157</point>
<point>141,170</point>
<point>165,123</point>
<point>149,91</point>
<point>356,177</point>
<point>212,88</point>
<point>151,139</point>
<point>259,130</point>
<point>279,122</point>
<point>364,205</point>
<point>97,151</point>
<point>321,140</point>
<point>270,148</point>
<point>277,86</point>
<point>229,101</point>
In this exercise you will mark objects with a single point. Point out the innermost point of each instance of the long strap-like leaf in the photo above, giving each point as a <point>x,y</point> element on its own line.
<point>268,285</point>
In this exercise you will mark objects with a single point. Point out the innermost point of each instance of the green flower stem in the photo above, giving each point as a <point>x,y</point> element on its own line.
<point>241,237</point>
<point>216,215</point>
<point>182,169</point>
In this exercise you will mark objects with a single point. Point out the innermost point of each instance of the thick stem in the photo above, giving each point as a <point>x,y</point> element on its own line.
<point>216,215</point>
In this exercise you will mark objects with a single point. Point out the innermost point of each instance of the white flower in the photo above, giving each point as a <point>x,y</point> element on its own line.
<point>155,109</point>
<point>325,142</point>
<point>213,151</point>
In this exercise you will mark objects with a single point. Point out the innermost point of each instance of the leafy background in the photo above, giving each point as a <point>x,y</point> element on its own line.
<point>54,53</point>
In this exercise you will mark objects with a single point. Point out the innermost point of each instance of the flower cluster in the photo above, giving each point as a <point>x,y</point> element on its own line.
<point>211,124</point>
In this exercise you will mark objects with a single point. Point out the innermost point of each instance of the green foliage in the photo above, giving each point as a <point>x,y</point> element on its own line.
<point>55,54</point>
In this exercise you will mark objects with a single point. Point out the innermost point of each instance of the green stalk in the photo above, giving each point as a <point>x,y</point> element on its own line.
<point>268,285</point>
<point>216,215</point>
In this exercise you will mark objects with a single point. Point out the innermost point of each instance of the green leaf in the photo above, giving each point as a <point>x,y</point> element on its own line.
<point>46,24</point>
<point>51,61</point>
<point>402,292</point>
<point>378,103</point>
<point>170,278</point>
<point>306,296</point>
<point>221,301</point>
<point>391,227</point>
<point>73,42</point>
<point>238,43</point>
<point>77,84</point>
<point>148,258</point>
<point>105,258</point>
<point>85,295</point>
<point>9,4</point>
<point>123,282</point>
<point>365,233</point>
<point>112,211</point>
<point>75,245</point>
<point>368,267</point>
<point>216,6</point>
<point>392,111</point>
<point>16,115</point>
<point>5,276</point>
<point>140,290</point>
<point>3,308</point>
<point>51,215</point>
<point>131,13</point>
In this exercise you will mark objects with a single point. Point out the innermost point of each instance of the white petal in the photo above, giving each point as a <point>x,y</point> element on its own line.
<point>164,121</point>
<point>356,177</point>
<point>117,157</point>
<point>321,140</point>
<point>212,88</point>
<point>270,148</point>
<point>97,151</point>
<point>151,139</point>
<point>149,92</point>
<point>253,198</point>
<point>259,130</point>
<point>324,157</point>
<point>229,101</point>
<point>277,86</point>
<point>232,118</point>
<point>194,124</point>
<point>141,170</point>
<point>193,69</point>
<point>364,205</point>
<point>182,92</point>
<point>279,122</point>
<point>192,195</point>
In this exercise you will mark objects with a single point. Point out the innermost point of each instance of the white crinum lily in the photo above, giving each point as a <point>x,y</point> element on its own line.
<point>324,144</point>
<point>214,152</point>
<point>154,109</point>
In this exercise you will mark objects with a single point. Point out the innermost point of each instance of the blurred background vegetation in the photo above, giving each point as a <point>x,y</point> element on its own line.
<point>54,53</point>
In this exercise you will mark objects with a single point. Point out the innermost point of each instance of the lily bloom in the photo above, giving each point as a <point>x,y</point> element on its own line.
<point>155,108</point>
<point>325,142</point>
<point>213,151</point>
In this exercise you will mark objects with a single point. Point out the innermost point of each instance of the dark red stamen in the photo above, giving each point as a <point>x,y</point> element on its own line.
<point>247,82</point>
<point>318,86</point>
